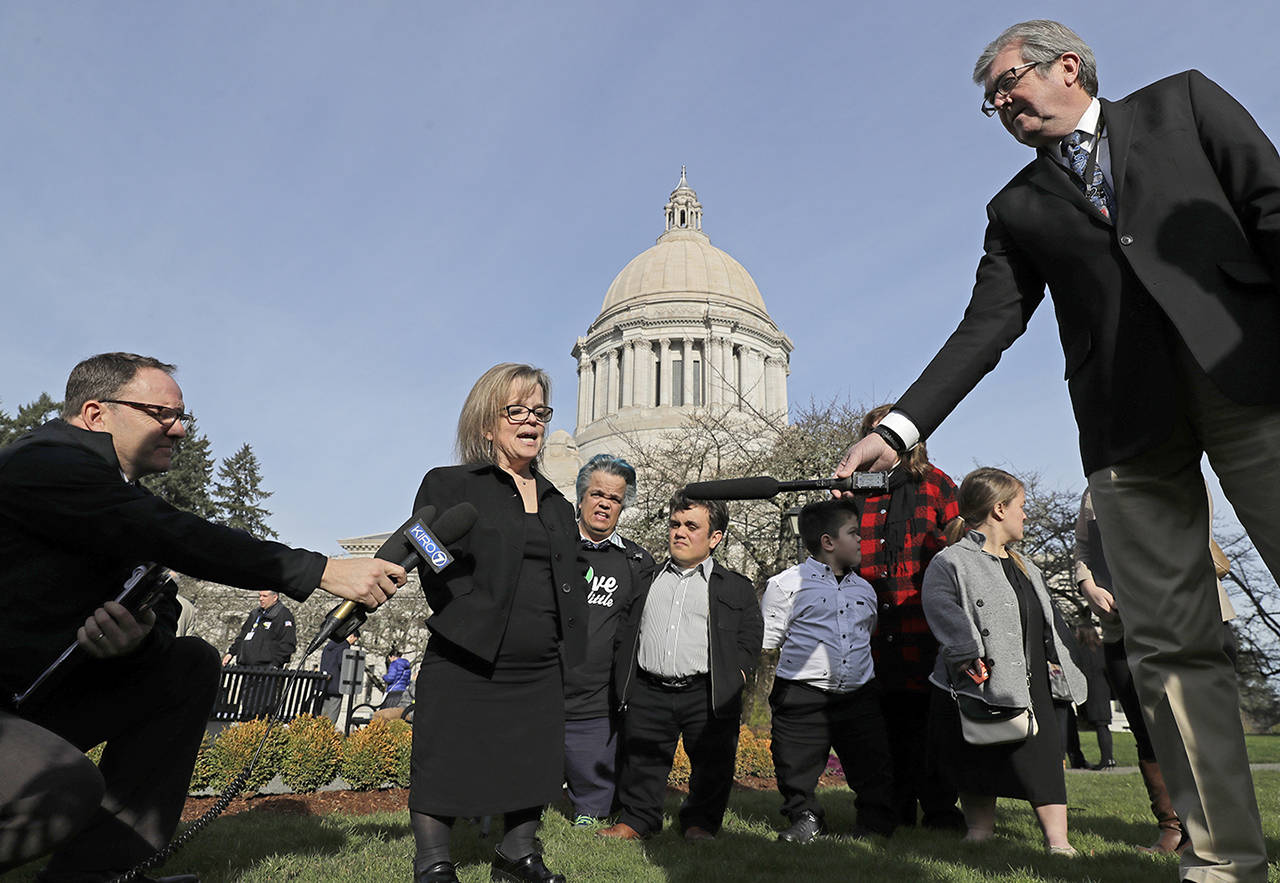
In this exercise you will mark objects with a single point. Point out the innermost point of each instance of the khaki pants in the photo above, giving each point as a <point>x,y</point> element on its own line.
<point>1154,520</point>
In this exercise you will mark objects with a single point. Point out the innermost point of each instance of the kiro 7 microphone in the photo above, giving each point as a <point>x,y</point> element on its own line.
<point>414,543</point>
<point>762,487</point>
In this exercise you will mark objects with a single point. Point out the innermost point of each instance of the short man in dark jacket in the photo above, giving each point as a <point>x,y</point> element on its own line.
<point>331,664</point>
<point>686,647</point>
<point>617,570</point>
<point>268,636</point>
<point>73,526</point>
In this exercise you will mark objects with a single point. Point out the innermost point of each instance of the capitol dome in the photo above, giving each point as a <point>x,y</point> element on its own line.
<point>683,263</point>
<point>683,328</point>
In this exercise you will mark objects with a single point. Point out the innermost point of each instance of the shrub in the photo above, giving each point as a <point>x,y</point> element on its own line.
<point>679,774</point>
<point>312,753</point>
<point>235,746</point>
<point>370,755</point>
<point>403,734</point>
<point>202,773</point>
<point>754,755</point>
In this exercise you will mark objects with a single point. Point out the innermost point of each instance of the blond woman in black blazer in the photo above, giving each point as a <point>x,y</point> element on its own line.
<point>490,706</point>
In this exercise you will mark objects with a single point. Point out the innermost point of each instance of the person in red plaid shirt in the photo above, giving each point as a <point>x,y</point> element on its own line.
<point>901,532</point>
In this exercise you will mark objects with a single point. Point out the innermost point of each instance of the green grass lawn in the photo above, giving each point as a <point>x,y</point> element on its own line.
<point>1262,748</point>
<point>1108,816</point>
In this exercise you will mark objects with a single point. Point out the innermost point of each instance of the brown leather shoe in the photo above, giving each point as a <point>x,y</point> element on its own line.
<point>620,831</point>
<point>694,834</point>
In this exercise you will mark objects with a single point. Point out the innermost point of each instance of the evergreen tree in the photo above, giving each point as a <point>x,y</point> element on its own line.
<point>238,492</point>
<point>187,483</point>
<point>29,416</point>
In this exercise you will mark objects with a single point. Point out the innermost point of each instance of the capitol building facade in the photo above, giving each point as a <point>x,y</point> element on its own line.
<point>683,328</point>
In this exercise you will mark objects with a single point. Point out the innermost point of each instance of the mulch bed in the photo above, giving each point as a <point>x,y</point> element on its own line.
<point>389,800</point>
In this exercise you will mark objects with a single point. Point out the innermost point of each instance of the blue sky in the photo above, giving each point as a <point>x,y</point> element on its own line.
<point>335,216</point>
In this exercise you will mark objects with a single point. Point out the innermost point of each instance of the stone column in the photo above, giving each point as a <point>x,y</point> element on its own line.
<point>628,373</point>
<point>641,362</point>
<point>598,385</point>
<point>762,383</point>
<point>770,385</point>
<point>664,371</point>
<point>611,401</point>
<point>584,391</point>
<point>687,348</point>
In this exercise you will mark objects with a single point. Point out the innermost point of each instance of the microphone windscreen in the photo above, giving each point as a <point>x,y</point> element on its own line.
<point>454,523</point>
<point>761,487</point>
<point>397,547</point>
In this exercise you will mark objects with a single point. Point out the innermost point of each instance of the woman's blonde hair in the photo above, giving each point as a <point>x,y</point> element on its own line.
<point>482,409</point>
<point>979,493</point>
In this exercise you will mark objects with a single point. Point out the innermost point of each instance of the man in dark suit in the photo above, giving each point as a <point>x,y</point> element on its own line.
<point>1155,223</point>
<point>685,648</point>
<point>74,523</point>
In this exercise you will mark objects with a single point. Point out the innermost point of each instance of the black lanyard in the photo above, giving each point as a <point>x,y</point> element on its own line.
<point>1092,162</point>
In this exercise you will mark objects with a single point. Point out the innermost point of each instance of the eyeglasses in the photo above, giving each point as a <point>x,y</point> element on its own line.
<point>1004,85</point>
<point>162,414</point>
<point>519,413</point>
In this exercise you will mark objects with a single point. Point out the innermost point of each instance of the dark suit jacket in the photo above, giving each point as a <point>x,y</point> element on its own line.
<point>736,632</point>
<point>471,599</point>
<point>1194,252</point>
<point>71,530</point>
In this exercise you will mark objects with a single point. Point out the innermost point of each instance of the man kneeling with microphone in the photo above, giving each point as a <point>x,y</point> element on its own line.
<point>74,524</point>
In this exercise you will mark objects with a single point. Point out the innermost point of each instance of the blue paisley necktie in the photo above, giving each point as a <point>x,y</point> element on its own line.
<point>1096,190</point>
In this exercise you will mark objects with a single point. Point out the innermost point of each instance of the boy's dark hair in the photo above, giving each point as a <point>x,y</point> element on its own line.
<point>717,511</point>
<point>823,518</point>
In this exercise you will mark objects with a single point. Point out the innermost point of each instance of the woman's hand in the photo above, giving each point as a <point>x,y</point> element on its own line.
<point>1100,600</point>
<point>977,671</point>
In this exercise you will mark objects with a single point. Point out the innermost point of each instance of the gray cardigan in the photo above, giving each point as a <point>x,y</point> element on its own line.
<point>973,612</point>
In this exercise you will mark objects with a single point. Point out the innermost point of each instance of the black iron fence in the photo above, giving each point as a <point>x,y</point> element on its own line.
<point>249,691</point>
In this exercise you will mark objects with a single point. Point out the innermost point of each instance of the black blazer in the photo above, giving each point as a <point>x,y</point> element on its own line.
<point>471,599</point>
<point>71,530</point>
<point>1194,252</point>
<point>737,631</point>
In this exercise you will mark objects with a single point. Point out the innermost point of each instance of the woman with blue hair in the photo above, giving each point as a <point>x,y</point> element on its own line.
<point>617,570</point>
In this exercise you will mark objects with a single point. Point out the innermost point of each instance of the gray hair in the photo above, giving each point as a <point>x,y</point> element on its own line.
<point>103,376</point>
<point>610,465</point>
<point>1041,41</point>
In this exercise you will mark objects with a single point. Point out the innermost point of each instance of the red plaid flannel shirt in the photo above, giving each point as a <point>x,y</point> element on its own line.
<point>903,647</point>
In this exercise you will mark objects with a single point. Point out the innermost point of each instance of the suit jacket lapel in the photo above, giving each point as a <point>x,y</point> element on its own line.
<point>1119,120</point>
<point>1053,177</point>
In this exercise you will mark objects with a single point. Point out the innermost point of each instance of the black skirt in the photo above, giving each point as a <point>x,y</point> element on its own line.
<point>1029,770</point>
<point>489,738</point>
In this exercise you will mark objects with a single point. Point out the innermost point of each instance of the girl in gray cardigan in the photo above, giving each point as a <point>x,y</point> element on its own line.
<point>991,613</point>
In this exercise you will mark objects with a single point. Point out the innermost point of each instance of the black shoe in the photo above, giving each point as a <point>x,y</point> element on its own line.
<point>1079,763</point>
<point>440,872</point>
<point>862,832</point>
<point>1108,764</point>
<point>529,869</point>
<point>805,828</point>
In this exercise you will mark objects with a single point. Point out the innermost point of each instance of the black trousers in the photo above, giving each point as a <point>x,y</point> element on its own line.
<point>918,779</point>
<point>655,719</point>
<point>807,724</point>
<point>151,710</point>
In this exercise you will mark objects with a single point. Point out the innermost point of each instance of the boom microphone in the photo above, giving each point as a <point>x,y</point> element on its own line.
<point>762,487</point>
<point>413,544</point>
